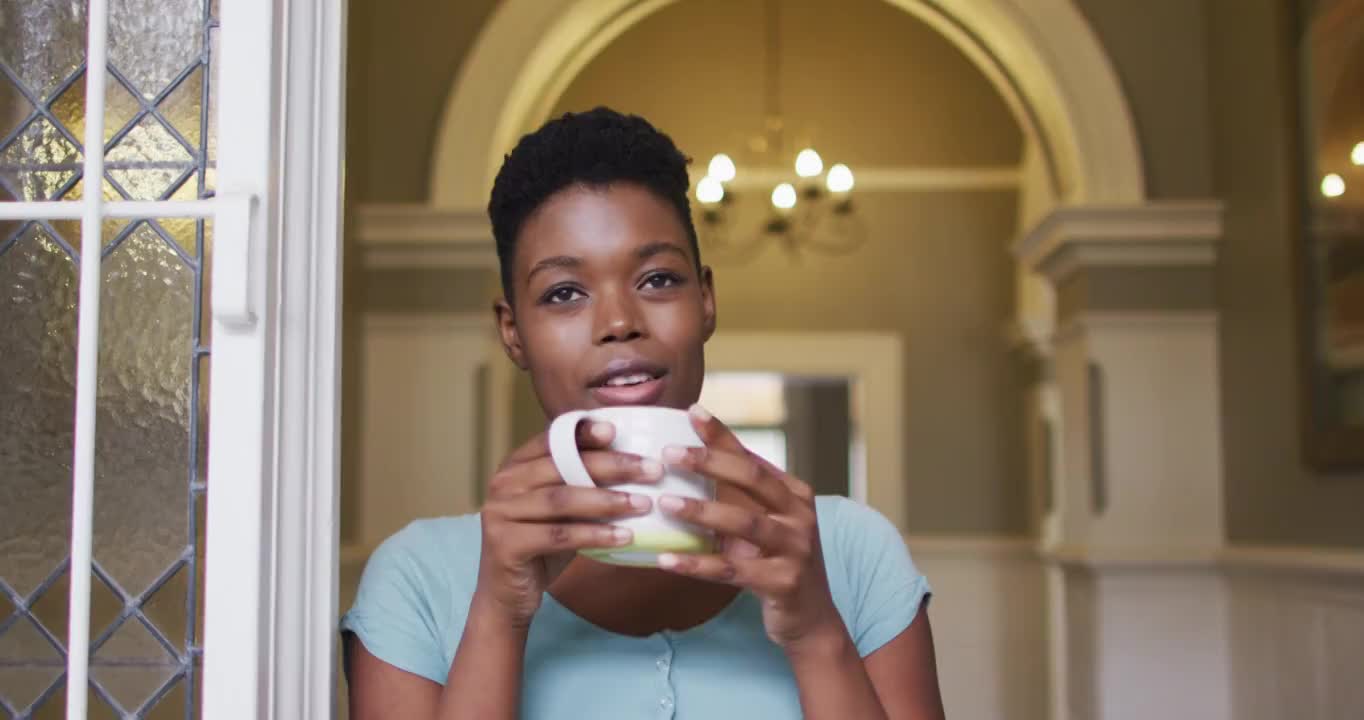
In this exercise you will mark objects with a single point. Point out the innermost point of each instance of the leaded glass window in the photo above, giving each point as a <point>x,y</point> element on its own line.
<point>150,454</point>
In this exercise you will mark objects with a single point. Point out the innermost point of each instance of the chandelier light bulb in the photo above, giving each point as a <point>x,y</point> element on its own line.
<point>808,163</point>
<point>709,191</point>
<point>721,168</point>
<point>1357,154</point>
<point>1332,186</point>
<point>840,179</point>
<point>784,196</point>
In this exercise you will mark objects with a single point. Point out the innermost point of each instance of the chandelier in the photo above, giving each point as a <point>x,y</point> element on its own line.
<point>808,207</point>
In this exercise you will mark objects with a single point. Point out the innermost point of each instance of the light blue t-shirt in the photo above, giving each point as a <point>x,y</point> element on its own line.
<point>415,592</point>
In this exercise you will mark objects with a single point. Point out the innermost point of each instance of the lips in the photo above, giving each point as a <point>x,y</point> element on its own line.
<point>629,382</point>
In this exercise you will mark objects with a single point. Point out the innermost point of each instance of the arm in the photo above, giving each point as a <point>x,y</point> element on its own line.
<point>899,681</point>
<point>531,524</point>
<point>771,545</point>
<point>484,681</point>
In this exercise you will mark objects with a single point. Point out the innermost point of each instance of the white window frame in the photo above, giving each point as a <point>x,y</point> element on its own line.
<point>271,575</point>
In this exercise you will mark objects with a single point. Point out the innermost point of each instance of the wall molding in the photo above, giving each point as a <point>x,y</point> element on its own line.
<point>417,235</point>
<point>1112,320</point>
<point>1238,559</point>
<point>1154,234</point>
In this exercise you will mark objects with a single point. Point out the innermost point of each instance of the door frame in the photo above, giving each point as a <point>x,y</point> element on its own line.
<point>270,594</point>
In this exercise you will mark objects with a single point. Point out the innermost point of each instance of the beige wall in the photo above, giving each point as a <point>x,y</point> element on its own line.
<point>1158,51</point>
<point>1271,497</point>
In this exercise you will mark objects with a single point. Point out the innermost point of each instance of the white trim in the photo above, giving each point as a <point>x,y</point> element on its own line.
<point>68,210</point>
<point>401,235</point>
<point>1258,559</point>
<point>239,555</point>
<point>876,364</point>
<point>1305,560</point>
<point>1164,233</point>
<point>1110,320</point>
<point>87,377</point>
<point>1042,57</point>
<point>270,587</point>
<point>306,462</point>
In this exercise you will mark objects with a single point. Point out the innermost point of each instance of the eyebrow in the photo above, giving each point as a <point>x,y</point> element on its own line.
<point>656,248</point>
<point>558,261</point>
<point>643,253</point>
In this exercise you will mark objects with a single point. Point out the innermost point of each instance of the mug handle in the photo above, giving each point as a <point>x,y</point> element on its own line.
<point>563,448</point>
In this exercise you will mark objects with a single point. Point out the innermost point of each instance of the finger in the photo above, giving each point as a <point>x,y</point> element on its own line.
<point>765,576</point>
<point>591,435</point>
<point>729,520</point>
<point>711,431</point>
<point>532,540</point>
<point>606,467</point>
<point>741,469</point>
<point>566,502</point>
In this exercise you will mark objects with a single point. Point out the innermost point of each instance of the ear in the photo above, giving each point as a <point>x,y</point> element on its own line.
<point>707,301</point>
<point>508,333</point>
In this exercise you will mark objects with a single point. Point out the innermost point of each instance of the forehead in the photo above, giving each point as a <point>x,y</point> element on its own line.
<point>598,221</point>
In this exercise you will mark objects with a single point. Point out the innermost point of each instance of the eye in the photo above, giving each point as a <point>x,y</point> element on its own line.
<point>661,280</point>
<point>561,294</point>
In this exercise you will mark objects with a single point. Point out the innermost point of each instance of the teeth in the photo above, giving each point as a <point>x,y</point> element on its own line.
<point>634,379</point>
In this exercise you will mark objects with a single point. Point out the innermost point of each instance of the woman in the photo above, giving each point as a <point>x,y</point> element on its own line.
<point>811,607</point>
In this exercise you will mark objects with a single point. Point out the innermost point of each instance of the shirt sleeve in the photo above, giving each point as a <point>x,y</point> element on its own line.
<point>393,615</point>
<point>888,589</point>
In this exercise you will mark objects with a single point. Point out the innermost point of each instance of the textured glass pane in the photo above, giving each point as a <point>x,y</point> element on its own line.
<point>29,664</point>
<point>50,610</point>
<point>42,42</point>
<point>14,108</point>
<point>120,107</point>
<point>147,161</point>
<point>166,607</point>
<point>55,708</point>
<point>182,107</point>
<point>40,163</point>
<point>132,665</point>
<point>142,448</point>
<point>153,41</point>
<point>171,705</point>
<point>37,395</point>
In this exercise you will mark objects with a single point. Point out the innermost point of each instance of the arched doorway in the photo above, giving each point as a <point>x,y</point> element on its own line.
<point>1041,57</point>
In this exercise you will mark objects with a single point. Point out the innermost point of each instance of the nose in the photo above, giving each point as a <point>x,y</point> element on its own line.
<point>618,318</point>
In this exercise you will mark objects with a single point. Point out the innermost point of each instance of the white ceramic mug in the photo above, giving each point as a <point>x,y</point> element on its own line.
<point>642,431</point>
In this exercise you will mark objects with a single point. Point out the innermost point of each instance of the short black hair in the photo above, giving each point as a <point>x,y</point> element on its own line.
<point>590,149</point>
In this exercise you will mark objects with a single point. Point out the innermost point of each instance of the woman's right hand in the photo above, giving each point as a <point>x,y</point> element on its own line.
<point>533,522</point>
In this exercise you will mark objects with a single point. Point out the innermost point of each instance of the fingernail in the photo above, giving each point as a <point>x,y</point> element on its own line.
<point>667,561</point>
<point>671,503</point>
<point>699,413</point>
<point>651,469</point>
<point>674,454</point>
<point>601,431</point>
<point>621,536</point>
<point>640,502</point>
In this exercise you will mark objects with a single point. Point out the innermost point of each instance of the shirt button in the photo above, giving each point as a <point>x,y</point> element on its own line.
<point>662,664</point>
<point>666,703</point>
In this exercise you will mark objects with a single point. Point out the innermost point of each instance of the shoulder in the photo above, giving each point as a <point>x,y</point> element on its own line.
<point>428,549</point>
<point>846,521</point>
<point>874,581</point>
<point>414,593</point>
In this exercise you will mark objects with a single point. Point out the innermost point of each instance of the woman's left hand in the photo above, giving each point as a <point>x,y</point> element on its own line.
<point>769,546</point>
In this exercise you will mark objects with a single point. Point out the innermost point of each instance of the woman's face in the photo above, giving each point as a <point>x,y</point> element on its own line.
<point>608,306</point>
